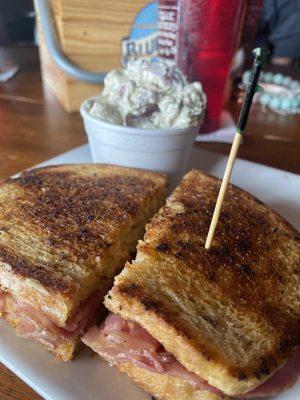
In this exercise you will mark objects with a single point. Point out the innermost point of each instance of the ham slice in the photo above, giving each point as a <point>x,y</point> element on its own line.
<point>84,315</point>
<point>33,324</point>
<point>282,380</point>
<point>118,340</point>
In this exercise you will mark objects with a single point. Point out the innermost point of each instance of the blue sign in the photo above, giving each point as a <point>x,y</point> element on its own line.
<point>142,40</point>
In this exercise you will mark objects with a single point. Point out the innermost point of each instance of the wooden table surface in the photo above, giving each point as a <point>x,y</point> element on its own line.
<point>33,128</point>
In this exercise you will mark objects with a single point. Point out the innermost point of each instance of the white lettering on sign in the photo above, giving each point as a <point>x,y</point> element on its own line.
<point>144,47</point>
<point>167,41</point>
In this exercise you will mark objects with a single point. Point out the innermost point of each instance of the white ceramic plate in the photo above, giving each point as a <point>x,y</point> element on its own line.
<point>89,378</point>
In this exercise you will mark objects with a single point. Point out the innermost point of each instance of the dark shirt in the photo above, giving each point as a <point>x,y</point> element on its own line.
<point>279,27</point>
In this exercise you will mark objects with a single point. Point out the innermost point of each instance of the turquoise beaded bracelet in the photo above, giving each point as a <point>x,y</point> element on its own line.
<point>281,93</point>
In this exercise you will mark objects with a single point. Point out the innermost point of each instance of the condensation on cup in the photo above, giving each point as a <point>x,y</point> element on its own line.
<point>201,37</point>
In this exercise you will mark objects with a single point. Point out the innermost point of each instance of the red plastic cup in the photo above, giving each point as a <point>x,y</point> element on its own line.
<point>205,39</point>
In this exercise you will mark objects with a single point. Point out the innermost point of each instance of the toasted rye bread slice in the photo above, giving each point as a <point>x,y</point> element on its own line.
<point>64,229</point>
<point>166,387</point>
<point>231,314</point>
<point>66,347</point>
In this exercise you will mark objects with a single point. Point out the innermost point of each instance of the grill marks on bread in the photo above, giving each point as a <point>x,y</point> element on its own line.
<point>237,304</point>
<point>249,260</point>
<point>80,211</point>
<point>29,269</point>
<point>69,214</point>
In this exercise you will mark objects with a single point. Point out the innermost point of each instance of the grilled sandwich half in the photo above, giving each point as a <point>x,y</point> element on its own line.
<point>190,323</point>
<point>65,232</point>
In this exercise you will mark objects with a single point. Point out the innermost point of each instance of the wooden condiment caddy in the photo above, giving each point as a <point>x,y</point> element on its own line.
<point>90,33</point>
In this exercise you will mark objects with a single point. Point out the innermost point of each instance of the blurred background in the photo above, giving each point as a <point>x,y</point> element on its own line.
<point>17,22</point>
<point>278,27</point>
<point>46,58</point>
<point>206,39</point>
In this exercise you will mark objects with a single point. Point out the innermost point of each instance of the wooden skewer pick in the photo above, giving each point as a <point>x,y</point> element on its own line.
<point>260,55</point>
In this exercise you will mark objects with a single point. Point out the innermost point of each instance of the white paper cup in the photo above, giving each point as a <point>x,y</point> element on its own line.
<point>164,150</point>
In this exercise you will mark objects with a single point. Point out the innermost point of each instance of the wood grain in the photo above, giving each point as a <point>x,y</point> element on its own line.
<point>92,30</point>
<point>34,127</point>
<point>90,33</point>
<point>69,92</point>
<point>12,388</point>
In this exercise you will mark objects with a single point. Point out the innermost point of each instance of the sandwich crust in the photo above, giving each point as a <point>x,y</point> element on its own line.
<point>64,229</point>
<point>230,314</point>
<point>166,387</point>
<point>65,351</point>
